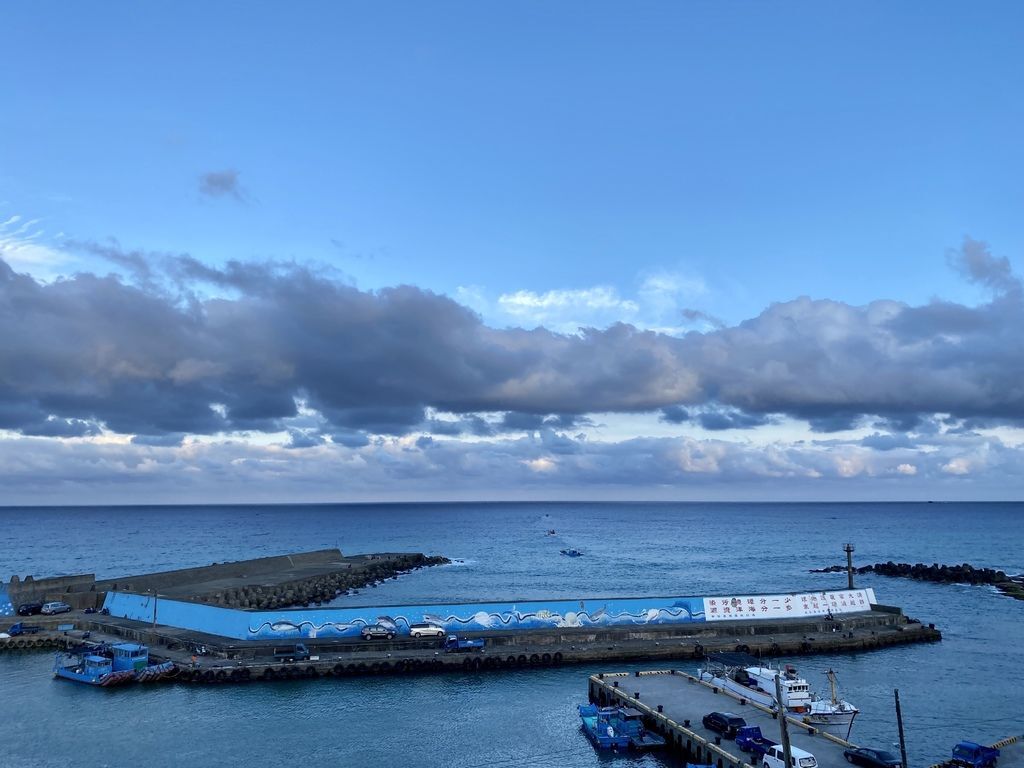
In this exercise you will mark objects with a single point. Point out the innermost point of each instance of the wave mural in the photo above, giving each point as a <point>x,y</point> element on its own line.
<point>457,617</point>
<point>548,614</point>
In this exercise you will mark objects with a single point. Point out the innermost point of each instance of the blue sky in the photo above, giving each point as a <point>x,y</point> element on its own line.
<point>675,166</point>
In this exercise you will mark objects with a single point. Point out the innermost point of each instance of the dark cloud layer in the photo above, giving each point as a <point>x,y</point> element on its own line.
<point>155,359</point>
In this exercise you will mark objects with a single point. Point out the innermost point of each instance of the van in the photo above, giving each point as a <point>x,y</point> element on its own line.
<point>774,758</point>
<point>56,607</point>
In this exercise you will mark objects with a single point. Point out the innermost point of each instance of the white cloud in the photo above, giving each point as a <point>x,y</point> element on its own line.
<point>22,245</point>
<point>957,466</point>
<point>906,469</point>
<point>542,464</point>
<point>541,305</point>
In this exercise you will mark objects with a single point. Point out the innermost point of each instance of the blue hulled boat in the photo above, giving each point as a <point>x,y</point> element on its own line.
<point>108,665</point>
<point>91,669</point>
<point>617,728</point>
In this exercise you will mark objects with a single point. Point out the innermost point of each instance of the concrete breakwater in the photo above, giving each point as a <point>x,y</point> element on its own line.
<point>204,659</point>
<point>964,573</point>
<point>315,590</point>
<point>281,581</point>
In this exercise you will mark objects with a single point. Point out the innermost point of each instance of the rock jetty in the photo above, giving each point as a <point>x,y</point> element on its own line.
<point>322,588</point>
<point>965,573</point>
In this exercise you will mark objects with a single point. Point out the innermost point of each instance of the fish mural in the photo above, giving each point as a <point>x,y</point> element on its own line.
<point>552,614</point>
<point>467,617</point>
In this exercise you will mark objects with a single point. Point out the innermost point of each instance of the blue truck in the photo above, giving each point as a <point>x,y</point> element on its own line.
<point>968,754</point>
<point>296,652</point>
<point>455,644</point>
<point>750,739</point>
<point>23,629</point>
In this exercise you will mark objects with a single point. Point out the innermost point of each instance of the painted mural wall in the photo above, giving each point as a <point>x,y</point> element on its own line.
<point>6,609</point>
<point>455,617</point>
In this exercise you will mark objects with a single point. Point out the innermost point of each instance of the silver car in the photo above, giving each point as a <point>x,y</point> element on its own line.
<point>376,632</point>
<point>426,630</point>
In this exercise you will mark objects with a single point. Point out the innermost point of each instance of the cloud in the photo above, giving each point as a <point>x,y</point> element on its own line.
<point>565,310</point>
<point>957,466</point>
<point>697,316</point>
<point>221,184</point>
<point>41,470</point>
<point>975,261</point>
<point>24,246</point>
<point>191,349</point>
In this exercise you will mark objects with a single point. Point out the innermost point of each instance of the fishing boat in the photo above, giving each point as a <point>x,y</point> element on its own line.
<point>617,728</point>
<point>571,552</point>
<point>107,665</point>
<point>753,680</point>
<point>90,669</point>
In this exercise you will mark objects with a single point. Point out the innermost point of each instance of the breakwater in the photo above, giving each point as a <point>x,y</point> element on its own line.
<point>964,573</point>
<point>265,583</point>
<point>204,659</point>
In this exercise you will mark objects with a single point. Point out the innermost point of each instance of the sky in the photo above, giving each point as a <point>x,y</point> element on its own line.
<point>669,251</point>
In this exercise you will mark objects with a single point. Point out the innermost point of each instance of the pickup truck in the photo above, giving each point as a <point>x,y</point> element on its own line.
<point>749,739</point>
<point>968,754</point>
<point>22,628</point>
<point>297,652</point>
<point>455,644</point>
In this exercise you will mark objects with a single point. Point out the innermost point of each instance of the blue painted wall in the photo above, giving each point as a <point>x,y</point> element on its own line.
<point>348,622</point>
<point>6,609</point>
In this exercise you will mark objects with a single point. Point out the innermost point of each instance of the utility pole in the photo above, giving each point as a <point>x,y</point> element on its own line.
<point>787,752</point>
<point>848,549</point>
<point>899,724</point>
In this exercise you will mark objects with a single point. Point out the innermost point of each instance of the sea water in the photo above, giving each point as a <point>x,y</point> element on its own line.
<point>964,687</point>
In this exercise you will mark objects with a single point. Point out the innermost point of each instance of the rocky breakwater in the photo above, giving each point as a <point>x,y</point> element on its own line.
<point>322,588</point>
<point>965,573</point>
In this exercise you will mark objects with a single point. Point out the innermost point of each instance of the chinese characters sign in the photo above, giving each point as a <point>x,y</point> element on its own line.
<point>731,608</point>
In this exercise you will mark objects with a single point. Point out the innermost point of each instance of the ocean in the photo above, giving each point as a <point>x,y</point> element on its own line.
<point>963,687</point>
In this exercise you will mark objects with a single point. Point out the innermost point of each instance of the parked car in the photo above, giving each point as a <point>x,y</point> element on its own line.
<point>30,609</point>
<point>725,723</point>
<point>426,630</point>
<point>55,607</point>
<point>376,632</point>
<point>800,758</point>
<point>872,758</point>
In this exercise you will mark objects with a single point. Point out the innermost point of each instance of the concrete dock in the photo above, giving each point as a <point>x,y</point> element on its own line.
<point>675,702</point>
<point>206,658</point>
<point>222,622</point>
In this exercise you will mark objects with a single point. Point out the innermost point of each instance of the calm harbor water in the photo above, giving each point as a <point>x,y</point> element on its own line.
<point>963,687</point>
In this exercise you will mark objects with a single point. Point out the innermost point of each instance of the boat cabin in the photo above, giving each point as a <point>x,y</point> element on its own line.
<point>130,656</point>
<point>94,666</point>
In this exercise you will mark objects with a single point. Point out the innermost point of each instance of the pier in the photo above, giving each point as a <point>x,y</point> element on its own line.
<point>674,703</point>
<point>223,622</point>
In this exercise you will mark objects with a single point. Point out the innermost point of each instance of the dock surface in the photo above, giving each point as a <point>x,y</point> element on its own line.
<point>683,700</point>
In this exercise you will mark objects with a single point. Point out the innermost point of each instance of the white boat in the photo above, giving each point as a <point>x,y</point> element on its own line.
<point>755,682</point>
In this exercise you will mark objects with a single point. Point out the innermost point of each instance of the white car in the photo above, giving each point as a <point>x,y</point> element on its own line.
<point>774,758</point>
<point>426,630</point>
<point>57,607</point>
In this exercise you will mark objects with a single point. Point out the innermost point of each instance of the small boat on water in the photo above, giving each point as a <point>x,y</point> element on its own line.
<point>571,552</point>
<point>109,665</point>
<point>748,677</point>
<point>617,728</point>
